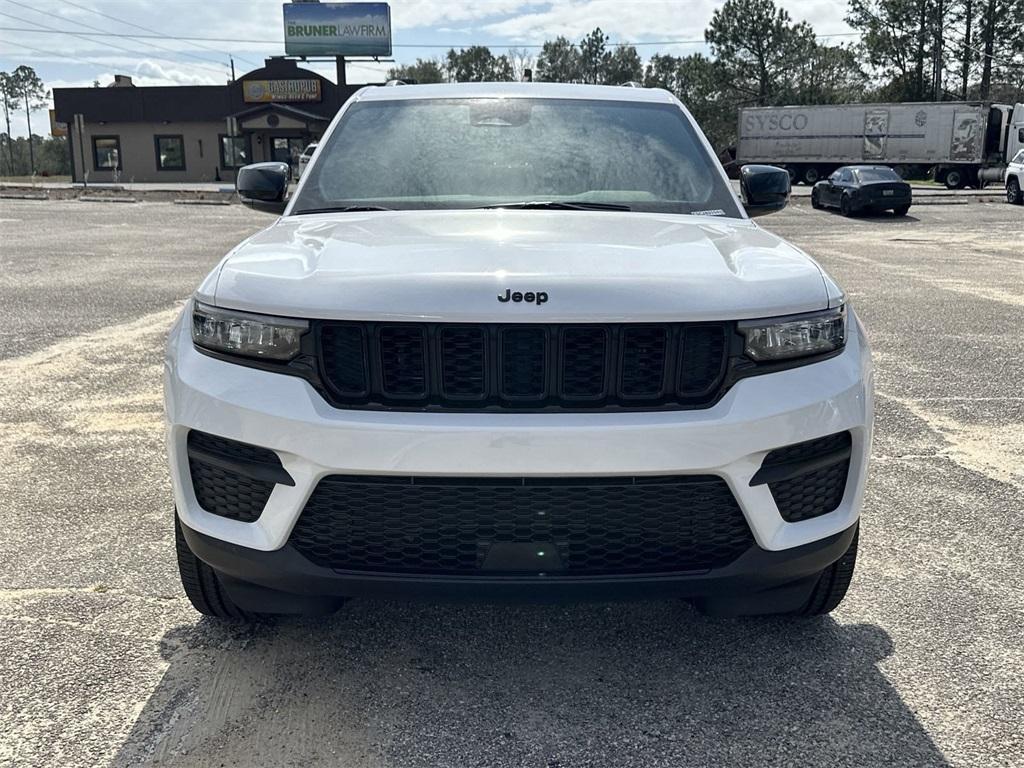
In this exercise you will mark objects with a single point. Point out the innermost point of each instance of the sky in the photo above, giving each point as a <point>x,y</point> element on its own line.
<point>252,30</point>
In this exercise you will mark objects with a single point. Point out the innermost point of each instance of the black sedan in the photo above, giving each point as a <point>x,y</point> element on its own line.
<point>857,188</point>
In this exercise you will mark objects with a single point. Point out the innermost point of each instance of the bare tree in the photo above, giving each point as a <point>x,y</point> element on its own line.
<point>521,60</point>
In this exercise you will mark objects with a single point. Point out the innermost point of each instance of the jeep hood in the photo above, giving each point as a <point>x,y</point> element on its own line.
<point>452,266</point>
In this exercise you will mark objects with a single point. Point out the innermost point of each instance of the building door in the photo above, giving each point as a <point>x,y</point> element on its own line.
<point>286,149</point>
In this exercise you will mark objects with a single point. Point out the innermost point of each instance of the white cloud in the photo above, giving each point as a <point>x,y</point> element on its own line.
<point>665,19</point>
<point>149,72</point>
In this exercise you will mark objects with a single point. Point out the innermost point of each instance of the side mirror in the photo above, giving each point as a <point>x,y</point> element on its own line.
<point>764,189</point>
<point>264,186</point>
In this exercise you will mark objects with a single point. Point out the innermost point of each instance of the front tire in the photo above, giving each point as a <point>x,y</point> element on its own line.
<point>833,583</point>
<point>815,202</point>
<point>202,585</point>
<point>1014,195</point>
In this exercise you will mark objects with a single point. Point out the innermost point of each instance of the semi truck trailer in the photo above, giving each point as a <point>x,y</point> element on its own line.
<point>961,143</point>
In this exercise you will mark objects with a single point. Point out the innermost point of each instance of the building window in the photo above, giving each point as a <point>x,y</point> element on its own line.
<point>234,151</point>
<point>170,153</point>
<point>106,153</point>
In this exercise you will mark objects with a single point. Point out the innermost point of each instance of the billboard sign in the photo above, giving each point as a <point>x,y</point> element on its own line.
<point>337,29</point>
<point>262,91</point>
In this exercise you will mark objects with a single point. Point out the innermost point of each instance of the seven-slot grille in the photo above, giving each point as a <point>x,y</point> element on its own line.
<point>476,366</point>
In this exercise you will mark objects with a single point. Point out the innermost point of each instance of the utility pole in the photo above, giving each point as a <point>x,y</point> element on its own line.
<point>232,59</point>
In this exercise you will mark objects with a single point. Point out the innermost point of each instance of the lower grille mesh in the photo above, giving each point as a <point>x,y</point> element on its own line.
<point>815,492</point>
<point>811,495</point>
<point>223,491</point>
<point>449,525</point>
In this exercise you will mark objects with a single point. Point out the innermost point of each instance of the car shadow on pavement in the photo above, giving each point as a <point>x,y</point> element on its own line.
<point>884,217</point>
<point>464,685</point>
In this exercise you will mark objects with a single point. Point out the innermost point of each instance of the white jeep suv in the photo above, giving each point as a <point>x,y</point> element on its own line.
<point>516,341</point>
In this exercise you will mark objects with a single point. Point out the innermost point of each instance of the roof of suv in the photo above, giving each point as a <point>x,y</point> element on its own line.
<point>515,90</point>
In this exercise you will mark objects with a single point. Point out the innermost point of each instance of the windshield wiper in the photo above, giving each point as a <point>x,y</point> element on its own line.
<point>343,209</point>
<point>560,205</point>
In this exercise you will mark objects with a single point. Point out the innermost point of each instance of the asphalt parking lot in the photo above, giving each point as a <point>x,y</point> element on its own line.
<point>102,660</point>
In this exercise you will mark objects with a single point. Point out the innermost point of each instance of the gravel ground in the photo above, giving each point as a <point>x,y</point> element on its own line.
<point>102,661</point>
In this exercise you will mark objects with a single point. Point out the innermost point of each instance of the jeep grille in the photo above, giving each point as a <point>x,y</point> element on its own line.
<point>529,366</point>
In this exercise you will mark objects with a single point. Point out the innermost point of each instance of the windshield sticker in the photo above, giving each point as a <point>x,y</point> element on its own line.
<point>712,212</point>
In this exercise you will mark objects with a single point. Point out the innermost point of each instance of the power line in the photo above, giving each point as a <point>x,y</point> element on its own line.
<point>154,45</point>
<point>55,53</point>
<point>145,29</point>
<point>980,52</point>
<point>49,30</point>
<point>394,45</point>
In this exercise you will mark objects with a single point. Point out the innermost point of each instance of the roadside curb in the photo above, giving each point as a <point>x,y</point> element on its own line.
<point>23,196</point>
<point>98,194</point>
<point>106,199</point>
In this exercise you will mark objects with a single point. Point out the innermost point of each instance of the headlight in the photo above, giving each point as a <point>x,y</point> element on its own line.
<point>242,333</point>
<point>783,338</point>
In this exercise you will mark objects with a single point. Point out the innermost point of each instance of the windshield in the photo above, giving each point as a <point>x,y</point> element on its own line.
<point>877,174</point>
<point>468,153</point>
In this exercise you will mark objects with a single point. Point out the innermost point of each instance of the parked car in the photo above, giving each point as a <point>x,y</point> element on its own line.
<point>517,341</point>
<point>305,157</point>
<point>1015,180</point>
<point>855,189</point>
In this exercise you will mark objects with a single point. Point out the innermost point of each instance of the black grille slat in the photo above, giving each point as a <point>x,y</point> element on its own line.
<point>487,366</point>
<point>584,369</point>
<point>403,361</point>
<point>644,350</point>
<point>701,360</point>
<point>596,525</point>
<point>344,359</point>
<point>524,363</point>
<point>464,362</point>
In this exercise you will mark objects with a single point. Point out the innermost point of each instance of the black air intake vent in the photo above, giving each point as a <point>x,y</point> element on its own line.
<point>232,479</point>
<point>807,479</point>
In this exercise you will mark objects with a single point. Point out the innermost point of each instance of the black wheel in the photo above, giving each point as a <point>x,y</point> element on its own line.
<point>845,207</point>
<point>1014,195</point>
<point>811,175</point>
<point>833,583</point>
<point>815,203</point>
<point>202,585</point>
<point>954,180</point>
<point>902,210</point>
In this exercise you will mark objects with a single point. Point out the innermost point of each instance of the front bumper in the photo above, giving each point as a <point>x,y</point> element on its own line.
<point>314,440</point>
<point>283,581</point>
